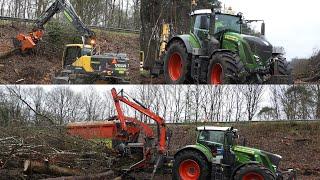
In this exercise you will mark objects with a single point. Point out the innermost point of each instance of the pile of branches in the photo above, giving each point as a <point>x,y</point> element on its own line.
<point>33,153</point>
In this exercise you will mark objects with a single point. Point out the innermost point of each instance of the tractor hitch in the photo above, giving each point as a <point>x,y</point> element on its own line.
<point>289,174</point>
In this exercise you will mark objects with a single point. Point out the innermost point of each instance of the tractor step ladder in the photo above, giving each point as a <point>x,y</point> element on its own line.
<point>217,172</point>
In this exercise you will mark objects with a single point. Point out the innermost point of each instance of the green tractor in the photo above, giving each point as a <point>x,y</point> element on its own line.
<point>216,156</point>
<point>216,52</point>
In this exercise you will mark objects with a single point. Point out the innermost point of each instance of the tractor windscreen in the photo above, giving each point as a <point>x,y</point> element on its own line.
<point>227,22</point>
<point>212,136</point>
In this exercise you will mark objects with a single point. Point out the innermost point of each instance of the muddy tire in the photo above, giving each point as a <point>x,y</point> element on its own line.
<point>177,64</point>
<point>254,172</point>
<point>224,68</point>
<point>283,70</point>
<point>190,165</point>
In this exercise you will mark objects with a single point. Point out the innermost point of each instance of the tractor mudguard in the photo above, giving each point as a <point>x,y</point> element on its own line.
<point>184,39</point>
<point>200,149</point>
<point>240,166</point>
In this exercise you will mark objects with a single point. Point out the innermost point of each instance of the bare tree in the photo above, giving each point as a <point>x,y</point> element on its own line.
<point>59,103</point>
<point>253,97</point>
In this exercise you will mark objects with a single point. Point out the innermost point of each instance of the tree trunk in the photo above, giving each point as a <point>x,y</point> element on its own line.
<point>46,168</point>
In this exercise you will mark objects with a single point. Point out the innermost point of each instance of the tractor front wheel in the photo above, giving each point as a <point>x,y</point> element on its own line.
<point>177,64</point>
<point>254,172</point>
<point>190,165</point>
<point>282,69</point>
<point>224,68</point>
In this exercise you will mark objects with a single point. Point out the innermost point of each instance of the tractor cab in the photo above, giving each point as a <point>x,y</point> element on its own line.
<point>73,52</point>
<point>216,138</point>
<point>207,24</point>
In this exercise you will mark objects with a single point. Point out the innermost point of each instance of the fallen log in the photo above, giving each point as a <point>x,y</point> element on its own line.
<point>46,168</point>
<point>105,175</point>
<point>9,53</point>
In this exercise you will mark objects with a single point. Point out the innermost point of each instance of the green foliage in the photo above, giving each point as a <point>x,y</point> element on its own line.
<point>54,31</point>
<point>58,34</point>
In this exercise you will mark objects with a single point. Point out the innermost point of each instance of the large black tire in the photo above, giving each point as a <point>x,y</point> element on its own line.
<point>197,165</point>
<point>254,172</point>
<point>177,64</point>
<point>225,68</point>
<point>283,69</point>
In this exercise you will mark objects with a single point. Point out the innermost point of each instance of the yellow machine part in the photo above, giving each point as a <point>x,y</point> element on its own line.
<point>141,60</point>
<point>84,62</point>
<point>164,37</point>
<point>80,46</point>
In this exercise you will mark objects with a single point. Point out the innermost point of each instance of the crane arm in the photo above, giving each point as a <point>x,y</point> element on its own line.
<point>26,42</point>
<point>119,97</point>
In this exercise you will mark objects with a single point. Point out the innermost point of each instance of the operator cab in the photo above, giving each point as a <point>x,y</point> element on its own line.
<point>75,51</point>
<point>207,23</point>
<point>209,28</point>
<point>216,137</point>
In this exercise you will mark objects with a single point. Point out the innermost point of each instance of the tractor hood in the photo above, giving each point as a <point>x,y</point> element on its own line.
<point>260,47</point>
<point>274,158</point>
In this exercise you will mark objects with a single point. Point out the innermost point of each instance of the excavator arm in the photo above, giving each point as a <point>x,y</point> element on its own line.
<point>29,41</point>
<point>119,97</point>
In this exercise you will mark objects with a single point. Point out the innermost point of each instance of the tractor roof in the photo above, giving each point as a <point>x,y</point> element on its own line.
<point>201,11</point>
<point>213,128</point>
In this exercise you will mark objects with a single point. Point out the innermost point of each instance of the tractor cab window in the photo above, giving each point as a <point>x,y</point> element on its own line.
<point>212,136</point>
<point>227,22</point>
<point>201,26</point>
<point>71,55</point>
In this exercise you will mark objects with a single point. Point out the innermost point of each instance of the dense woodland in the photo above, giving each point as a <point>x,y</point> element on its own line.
<point>144,15</point>
<point>179,104</point>
<point>111,13</point>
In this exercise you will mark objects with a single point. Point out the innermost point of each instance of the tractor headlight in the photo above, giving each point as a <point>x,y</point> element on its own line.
<point>257,58</point>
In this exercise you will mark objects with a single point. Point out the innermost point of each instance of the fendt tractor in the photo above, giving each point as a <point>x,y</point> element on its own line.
<point>81,63</point>
<point>215,155</point>
<point>216,52</point>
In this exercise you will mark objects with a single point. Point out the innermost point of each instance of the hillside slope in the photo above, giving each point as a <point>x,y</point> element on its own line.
<point>39,66</point>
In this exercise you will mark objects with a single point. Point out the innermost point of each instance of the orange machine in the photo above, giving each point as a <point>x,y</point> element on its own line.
<point>92,130</point>
<point>28,41</point>
<point>125,131</point>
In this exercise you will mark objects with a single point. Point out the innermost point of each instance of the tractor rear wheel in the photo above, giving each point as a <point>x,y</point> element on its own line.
<point>254,172</point>
<point>190,165</point>
<point>224,68</point>
<point>177,64</point>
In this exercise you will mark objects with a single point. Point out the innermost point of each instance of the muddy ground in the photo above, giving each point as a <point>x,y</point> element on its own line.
<point>44,62</point>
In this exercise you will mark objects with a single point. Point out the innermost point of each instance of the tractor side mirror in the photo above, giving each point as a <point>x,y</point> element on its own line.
<point>263,29</point>
<point>229,138</point>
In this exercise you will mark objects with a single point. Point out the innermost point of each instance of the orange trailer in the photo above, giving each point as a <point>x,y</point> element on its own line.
<point>93,129</point>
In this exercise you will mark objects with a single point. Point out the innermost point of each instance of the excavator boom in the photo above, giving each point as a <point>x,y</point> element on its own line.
<point>119,97</point>
<point>29,41</point>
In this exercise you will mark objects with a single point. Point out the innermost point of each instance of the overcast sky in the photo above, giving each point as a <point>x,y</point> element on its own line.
<point>293,24</point>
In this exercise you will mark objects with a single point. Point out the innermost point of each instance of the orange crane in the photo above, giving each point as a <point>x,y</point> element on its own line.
<point>154,152</point>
